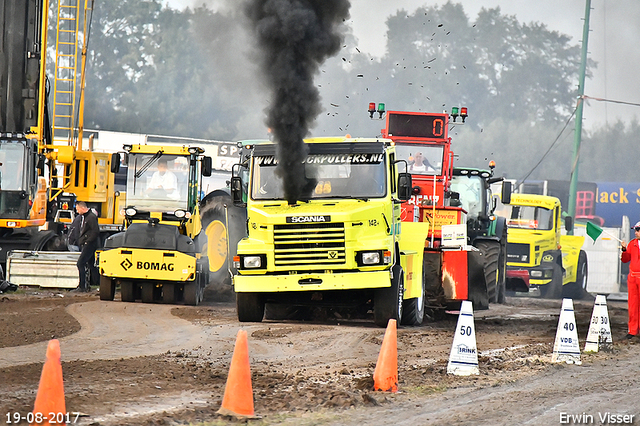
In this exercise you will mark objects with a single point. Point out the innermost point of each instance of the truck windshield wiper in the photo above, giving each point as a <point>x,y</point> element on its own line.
<point>148,164</point>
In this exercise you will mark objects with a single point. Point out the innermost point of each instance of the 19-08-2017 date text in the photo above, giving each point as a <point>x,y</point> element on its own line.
<point>38,418</point>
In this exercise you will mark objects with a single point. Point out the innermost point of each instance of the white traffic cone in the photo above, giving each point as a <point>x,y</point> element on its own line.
<point>566,347</point>
<point>463,360</point>
<point>599,328</point>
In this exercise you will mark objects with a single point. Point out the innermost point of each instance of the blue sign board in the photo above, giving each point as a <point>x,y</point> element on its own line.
<point>617,199</point>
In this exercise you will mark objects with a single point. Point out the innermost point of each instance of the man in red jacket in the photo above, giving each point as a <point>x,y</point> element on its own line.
<point>631,253</point>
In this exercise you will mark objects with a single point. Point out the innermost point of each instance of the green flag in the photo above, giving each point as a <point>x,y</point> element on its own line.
<point>593,231</point>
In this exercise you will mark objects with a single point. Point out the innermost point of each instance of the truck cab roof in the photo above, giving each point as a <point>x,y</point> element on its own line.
<point>535,200</point>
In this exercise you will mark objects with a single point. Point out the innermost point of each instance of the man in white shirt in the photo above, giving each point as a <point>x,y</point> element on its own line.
<point>419,164</point>
<point>165,180</point>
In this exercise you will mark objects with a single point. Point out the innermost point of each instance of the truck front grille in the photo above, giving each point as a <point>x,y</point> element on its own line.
<point>309,244</point>
<point>518,252</point>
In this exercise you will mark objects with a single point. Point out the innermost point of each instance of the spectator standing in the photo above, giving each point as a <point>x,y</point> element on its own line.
<point>74,233</point>
<point>88,242</point>
<point>631,253</point>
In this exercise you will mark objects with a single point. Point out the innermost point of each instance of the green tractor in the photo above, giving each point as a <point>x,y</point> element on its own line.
<point>471,190</point>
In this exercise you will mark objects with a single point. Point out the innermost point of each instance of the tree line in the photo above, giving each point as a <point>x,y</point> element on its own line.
<point>157,70</point>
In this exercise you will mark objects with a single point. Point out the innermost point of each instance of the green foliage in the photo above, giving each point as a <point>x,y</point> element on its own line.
<point>608,154</point>
<point>162,71</point>
<point>518,81</point>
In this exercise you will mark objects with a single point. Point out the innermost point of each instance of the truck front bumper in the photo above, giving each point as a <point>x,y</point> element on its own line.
<point>312,282</point>
<point>532,277</point>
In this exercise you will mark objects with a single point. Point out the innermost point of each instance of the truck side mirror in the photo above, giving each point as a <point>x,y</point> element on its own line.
<point>207,166</point>
<point>506,192</point>
<point>236,191</point>
<point>568,223</point>
<point>405,186</point>
<point>115,162</point>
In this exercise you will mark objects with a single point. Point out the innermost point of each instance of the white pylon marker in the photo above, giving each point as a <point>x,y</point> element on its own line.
<point>463,360</point>
<point>599,327</point>
<point>566,347</point>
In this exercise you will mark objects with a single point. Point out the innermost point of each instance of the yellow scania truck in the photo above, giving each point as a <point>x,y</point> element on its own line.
<point>341,244</point>
<point>539,257</point>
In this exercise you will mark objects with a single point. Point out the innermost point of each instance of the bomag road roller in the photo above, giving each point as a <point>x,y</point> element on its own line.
<point>163,254</point>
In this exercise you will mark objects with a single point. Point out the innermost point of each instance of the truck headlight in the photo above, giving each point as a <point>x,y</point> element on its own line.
<point>253,261</point>
<point>378,257</point>
<point>371,258</point>
<point>130,211</point>
<point>536,274</point>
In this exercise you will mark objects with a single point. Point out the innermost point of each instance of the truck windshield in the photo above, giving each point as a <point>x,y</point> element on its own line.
<point>334,176</point>
<point>157,184</point>
<point>527,217</point>
<point>471,190</point>
<point>422,159</point>
<point>12,160</point>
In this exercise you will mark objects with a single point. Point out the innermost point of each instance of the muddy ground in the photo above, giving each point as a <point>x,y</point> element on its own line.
<point>137,364</point>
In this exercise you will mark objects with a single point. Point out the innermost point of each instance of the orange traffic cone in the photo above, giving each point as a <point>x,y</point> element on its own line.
<point>50,397</point>
<point>385,376</point>
<point>238,395</point>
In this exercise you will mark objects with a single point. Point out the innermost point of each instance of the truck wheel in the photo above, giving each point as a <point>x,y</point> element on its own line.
<point>169,291</point>
<point>107,288</point>
<point>553,290</point>
<point>387,302</point>
<point>502,290</point>
<point>147,292</point>
<point>491,255</point>
<point>413,309</point>
<point>250,307</point>
<point>126,291</point>
<point>578,288</point>
<point>191,293</point>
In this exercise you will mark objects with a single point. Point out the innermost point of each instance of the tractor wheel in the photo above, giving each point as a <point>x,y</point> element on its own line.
<point>502,269</point>
<point>127,291</point>
<point>169,293</point>
<point>223,227</point>
<point>491,255</point>
<point>192,293</point>
<point>250,307</point>
<point>477,281</point>
<point>107,288</point>
<point>387,301</point>
<point>147,292</point>
<point>413,309</point>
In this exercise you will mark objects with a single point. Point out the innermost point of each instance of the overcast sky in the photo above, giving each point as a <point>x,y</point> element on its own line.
<point>613,40</point>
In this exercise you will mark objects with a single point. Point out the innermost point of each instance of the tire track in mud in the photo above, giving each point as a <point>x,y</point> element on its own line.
<point>112,330</point>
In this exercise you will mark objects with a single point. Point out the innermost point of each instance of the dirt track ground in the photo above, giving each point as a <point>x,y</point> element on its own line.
<point>137,364</point>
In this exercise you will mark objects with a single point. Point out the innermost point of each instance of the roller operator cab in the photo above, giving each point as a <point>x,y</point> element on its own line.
<point>540,259</point>
<point>342,244</point>
<point>163,253</point>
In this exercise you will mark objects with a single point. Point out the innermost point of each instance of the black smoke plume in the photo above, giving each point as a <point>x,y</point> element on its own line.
<point>294,38</point>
